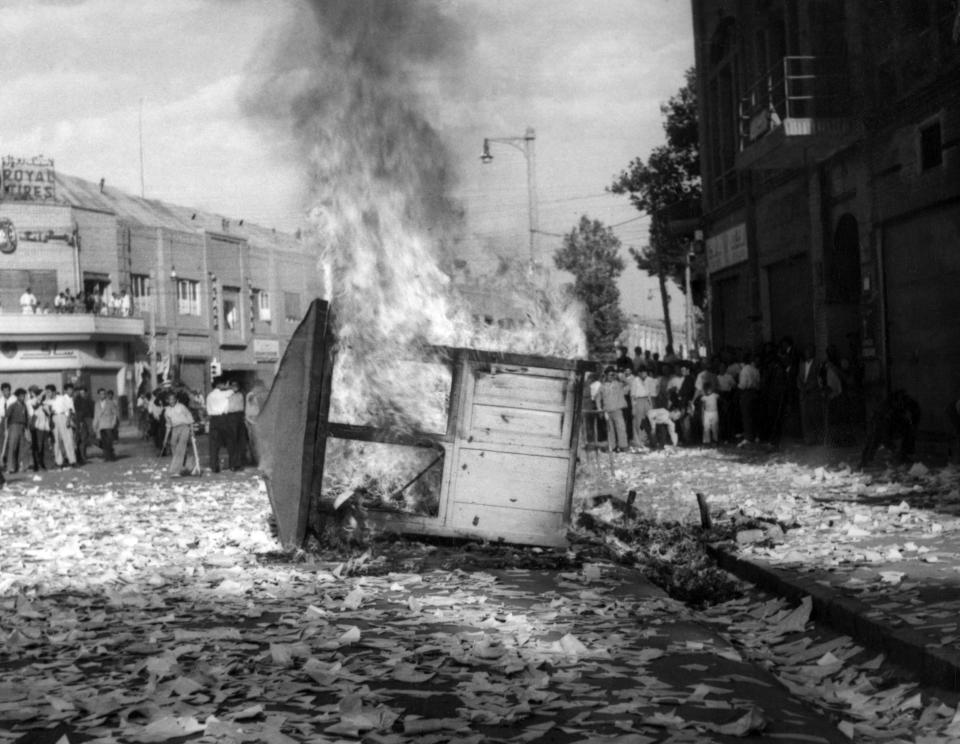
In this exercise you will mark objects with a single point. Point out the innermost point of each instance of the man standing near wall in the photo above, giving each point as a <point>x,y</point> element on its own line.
<point>63,414</point>
<point>748,383</point>
<point>106,419</point>
<point>16,420</point>
<point>810,397</point>
<point>83,405</point>
<point>238,430</point>
<point>5,400</point>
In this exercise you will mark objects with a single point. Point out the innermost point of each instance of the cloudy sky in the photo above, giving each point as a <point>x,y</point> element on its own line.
<point>588,75</point>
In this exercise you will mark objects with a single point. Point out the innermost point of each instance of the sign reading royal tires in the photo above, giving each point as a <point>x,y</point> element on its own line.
<point>28,179</point>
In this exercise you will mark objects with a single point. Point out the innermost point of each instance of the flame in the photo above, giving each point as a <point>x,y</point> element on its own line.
<point>379,214</point>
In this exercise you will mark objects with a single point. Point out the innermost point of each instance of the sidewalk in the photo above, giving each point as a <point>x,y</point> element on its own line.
<point>879,555</point>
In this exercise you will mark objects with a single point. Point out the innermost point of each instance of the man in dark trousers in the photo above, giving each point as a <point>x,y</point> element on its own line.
<point>84,407</point>
<point>16,420</point>
<point>238,430</point>
<point>895,422</point>
<point>106,419</point>
<point>221,432</point>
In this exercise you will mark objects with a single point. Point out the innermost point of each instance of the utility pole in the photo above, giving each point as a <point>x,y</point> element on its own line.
<point>142,189</point>
<point>525,144</point>
<point>154,364</point>
<point>688,304</point>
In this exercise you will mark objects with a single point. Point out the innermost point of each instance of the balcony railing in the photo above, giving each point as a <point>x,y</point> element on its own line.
<point>61,326</point>
<point>796,88</point>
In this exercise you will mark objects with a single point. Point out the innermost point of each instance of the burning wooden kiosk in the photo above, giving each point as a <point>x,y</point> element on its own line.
<point>504,458</point>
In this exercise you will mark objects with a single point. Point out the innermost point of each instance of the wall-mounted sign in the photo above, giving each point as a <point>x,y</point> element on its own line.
<point>727,249</point>
<point>28,179</point>
<point>266,349</point>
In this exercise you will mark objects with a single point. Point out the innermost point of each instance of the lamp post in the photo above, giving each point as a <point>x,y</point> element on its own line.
<point>525,144</point>
<point>154,364</point>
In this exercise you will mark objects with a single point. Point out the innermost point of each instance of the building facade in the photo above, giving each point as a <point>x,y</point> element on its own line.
<point>192,291</point>
<point>830,143</point>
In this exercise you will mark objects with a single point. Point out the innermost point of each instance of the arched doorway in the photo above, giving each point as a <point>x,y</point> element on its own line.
<point>843,263</point>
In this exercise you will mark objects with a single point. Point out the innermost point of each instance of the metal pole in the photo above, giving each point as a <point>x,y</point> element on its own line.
<point>153,329</point>
<point>688,307</point>
<point>142,189</point>
<point>529,139</point>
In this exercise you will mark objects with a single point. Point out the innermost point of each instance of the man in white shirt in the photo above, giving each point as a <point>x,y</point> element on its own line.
<point>218,407</point>
<point>62,413</point>
<point>238,431</point>
<point>5,400</point>
<point>28,302</point>
<point>749,386</point>
<point>641,400</point>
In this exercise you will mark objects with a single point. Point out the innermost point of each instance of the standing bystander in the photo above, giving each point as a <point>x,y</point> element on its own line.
<point>16,420</point>
<point>83,407</point>
<point>237,425</point>
<point>180,428</point>
<point>612,401</point>
<point>106,418</point>
<point>62,415</point>
<point>748,383</point>
<point>220,434</point>
<point>810,397</point>
<point>39,428</point>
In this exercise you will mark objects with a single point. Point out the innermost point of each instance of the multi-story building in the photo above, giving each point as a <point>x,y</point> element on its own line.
<point>203,290</point>
<point>830,139</point>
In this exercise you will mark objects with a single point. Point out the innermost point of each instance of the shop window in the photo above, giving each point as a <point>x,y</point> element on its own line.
<point>188,297</point>
<point>291,307</point>
<point>931,146</point>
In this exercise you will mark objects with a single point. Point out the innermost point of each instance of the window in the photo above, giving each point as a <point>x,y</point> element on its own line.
<point>931,146</point>
<point>231,308</point>
<point>140,290</point>
<point>188,297</point>
<point>261,305</point>
<point>291,306</point>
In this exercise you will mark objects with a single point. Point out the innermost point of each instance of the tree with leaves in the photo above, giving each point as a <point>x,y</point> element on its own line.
<point>667,187</point>
<point>591,252</point>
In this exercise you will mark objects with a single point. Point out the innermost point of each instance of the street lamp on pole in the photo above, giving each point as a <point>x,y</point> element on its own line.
<point>525,144</point>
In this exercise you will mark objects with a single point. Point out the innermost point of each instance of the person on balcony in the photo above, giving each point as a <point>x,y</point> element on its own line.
<point>28,302</point>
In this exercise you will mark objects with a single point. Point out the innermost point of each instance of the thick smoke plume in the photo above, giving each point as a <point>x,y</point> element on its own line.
<point>379,213</point>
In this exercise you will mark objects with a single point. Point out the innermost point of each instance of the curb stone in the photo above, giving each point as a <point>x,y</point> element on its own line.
<point>933,663</point>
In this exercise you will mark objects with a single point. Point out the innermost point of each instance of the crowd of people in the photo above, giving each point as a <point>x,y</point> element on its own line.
<point>171,416</point>
<point>43,427</point>
<point>94,302</point>
<point>733,397</point>
<point>46,428</point>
